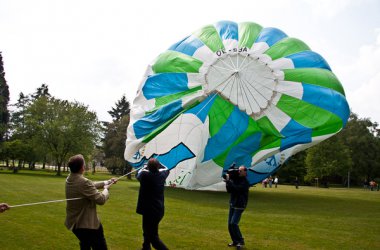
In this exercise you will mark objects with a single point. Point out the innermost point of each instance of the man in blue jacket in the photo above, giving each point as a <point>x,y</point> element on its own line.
<point>150,203</point>
<point>238,188</point>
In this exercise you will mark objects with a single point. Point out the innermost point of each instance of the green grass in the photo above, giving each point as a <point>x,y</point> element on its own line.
<point>282,218</point>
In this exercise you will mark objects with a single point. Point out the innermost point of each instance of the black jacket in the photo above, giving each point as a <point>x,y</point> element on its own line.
<point>238,188</point>
<point>151,193</point>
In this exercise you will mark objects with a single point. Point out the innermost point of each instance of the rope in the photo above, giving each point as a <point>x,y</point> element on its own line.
<point>43,202</point>
<point>71,199</point>
<point>130,172</point>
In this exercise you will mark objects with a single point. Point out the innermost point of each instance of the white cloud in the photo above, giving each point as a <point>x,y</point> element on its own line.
<point>364,85</point>
<point>328,8</point>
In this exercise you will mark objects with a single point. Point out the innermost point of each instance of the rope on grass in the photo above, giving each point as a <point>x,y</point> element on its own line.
<point>71,199</point>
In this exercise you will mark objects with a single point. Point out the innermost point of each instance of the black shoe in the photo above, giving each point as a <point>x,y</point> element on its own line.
<point>239,246</point>
<point>232,244</point>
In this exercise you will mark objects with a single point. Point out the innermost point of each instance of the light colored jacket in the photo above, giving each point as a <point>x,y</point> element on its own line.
<point>82,213</point>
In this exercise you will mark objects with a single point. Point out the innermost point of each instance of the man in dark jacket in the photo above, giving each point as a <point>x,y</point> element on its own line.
<point>238,187</point>
<point>150,203</point>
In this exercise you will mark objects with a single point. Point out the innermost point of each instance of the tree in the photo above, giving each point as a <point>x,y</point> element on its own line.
<point>4,99</point>
<point>15,150</point>
<point>19,131</point>
<point>122,109</point>
<point>62,127</point>
<point>114,145</point>
<point>42,91</point>
<point>361,136</point>
<point>115,137</point>
<point>18,117</point>
<point>328,159</point>
<point>293,167</point>
<point>96,158</point>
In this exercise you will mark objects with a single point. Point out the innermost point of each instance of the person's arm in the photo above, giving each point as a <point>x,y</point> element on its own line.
<point>237,187</point>
<point>102,184</point>
<point>90,191</point>
<point>229,185</point>
<point>3,207</point>
<point>141,173</point>
<point>164,169</point>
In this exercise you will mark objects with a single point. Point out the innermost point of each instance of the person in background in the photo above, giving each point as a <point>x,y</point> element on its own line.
<point>265,182</point>
<point>275,181</point>
<point>366,184</point>
<point>270,181</point>
<point>296,182</point>
<point>150,202</point>
<point>3,207</point>
<point>373,185</point>
<point>238,187</point>
<point>81,215</point>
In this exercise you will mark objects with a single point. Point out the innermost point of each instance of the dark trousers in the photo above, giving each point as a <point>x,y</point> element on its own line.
<point>150,233</point>
<point>91,238</point>
<point>233,225</point>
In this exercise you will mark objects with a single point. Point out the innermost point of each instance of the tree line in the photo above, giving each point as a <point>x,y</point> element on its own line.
<point>40,128</point>
<point>45,129</point>
<point>348,158</point>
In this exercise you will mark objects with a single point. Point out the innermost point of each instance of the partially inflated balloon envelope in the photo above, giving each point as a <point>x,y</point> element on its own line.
<point>233,93</point>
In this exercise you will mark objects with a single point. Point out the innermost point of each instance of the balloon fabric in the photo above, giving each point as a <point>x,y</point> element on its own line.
<point>233,93</point>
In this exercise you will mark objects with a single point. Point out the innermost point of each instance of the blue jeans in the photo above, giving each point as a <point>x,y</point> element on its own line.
<point>233,225</point>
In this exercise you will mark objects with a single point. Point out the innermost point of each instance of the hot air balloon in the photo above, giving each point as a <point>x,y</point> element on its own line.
<point>233,93</point>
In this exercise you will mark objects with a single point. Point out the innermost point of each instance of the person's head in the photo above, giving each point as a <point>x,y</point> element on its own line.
<point>242,171</point>
<point>76,164</point>
<point>153,165</point>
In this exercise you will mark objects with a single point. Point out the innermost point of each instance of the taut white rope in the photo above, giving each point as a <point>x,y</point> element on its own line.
<point>44,202</point>
<point>130,172</point>
<point>71,199</point>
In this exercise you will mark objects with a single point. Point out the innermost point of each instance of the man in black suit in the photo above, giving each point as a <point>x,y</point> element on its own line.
<point>150,203</point>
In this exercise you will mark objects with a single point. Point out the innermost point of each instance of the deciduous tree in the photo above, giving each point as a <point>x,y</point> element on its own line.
<point>62,127</point>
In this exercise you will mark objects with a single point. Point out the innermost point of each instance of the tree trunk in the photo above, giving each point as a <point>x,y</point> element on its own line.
<point>59,169</point>
<point>15,169</point>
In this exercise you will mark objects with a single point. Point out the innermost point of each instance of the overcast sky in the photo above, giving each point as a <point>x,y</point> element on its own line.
<point>96,51</point>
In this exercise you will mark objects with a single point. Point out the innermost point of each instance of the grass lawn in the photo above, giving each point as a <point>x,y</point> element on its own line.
<point>282,218</point>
